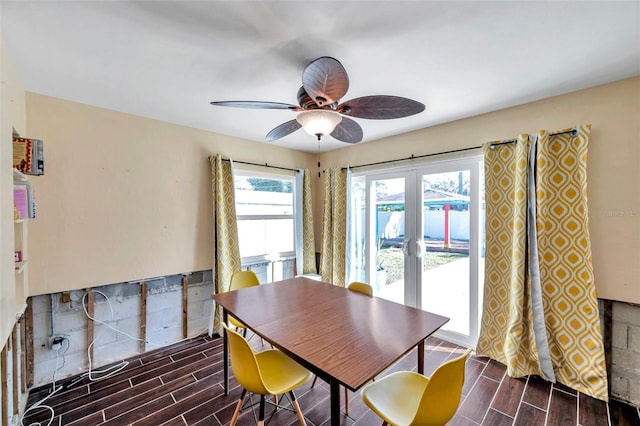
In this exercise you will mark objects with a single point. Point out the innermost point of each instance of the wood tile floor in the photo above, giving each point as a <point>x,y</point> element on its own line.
<point>182,385</point>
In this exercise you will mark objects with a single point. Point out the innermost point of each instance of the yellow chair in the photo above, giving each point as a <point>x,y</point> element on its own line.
<point>270,372</point>
<point>239,280</point>
<point>409,398</point>
<point>358,287</point>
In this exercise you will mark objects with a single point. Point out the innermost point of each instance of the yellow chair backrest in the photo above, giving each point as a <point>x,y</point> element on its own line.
<point>361,288</point>
<point>442,395</point>
<point>243,279</point>
<point>243,363</point>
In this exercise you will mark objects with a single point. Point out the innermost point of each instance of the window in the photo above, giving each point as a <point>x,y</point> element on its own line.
<point>265,215</point>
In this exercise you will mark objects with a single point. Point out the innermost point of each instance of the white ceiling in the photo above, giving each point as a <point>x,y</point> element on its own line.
<point>168,59</point>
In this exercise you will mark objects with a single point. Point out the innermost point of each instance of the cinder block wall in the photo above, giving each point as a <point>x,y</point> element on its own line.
<point>625,353</point>
<point>117,329</point>
<point>121,312</point>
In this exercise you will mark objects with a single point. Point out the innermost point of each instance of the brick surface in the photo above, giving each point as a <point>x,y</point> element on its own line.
<point>625,352</point>
<point>619,385</point>
<point>619,335</point>
<point>194,278</point>
<point>634,392</point>
<point>627,313</point>
<point>70,320</point>
<point>626,362</point>
<point>634,339</point>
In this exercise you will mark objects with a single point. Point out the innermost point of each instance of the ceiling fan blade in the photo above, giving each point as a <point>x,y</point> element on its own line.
<point>348,131</point>
<point>325,80</point>
<point>282,130</point>
<point>256,104</point>
<point>380,107</point>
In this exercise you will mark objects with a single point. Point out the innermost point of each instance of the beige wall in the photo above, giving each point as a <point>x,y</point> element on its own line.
<point>613,167</point>
<point>12,116</point>
<point>124,197</point>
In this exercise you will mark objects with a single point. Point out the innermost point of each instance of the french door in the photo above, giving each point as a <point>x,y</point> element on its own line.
<point>416,235</point>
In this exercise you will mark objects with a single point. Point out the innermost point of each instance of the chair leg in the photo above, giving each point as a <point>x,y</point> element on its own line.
<point>346,401</point>
<point>294,402</point>
<point>234,419</point>
<point>315,379</point>
<point>261,415</point>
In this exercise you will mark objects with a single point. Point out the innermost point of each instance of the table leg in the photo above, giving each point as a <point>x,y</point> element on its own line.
<point>334,387</point>
<point>421,357</point>
<point>225,355</point>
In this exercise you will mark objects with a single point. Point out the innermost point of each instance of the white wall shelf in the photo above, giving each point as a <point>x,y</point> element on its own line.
<point>19,176</point>
<point>20,266</point>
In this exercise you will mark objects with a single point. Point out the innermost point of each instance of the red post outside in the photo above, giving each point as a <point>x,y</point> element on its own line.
<point>447,207</point>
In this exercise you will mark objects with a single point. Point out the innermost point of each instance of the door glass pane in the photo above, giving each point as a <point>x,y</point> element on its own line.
<point>388,266</point>
<point>445,259</point>
<point>357,230</point>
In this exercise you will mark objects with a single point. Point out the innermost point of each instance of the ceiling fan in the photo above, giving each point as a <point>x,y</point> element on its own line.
<point>324,82</point>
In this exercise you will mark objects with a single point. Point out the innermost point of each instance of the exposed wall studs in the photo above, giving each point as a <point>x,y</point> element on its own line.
<point>23,355</point>
<point>14,365</point>
<point>143,316</point>
<point>90,324</point>
<point>607,333</point>
<point>5,389</point>
<point>28,347</point>
<point>185,307</point>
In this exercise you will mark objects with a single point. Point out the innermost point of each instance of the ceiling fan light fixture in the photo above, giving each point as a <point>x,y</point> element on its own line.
<point>319,122</point>
<point>320,112</point>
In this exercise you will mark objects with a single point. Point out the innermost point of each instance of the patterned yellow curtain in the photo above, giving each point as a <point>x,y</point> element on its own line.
<point>566,271</point>
<point>506,331</point>
<point>540,309</point>
<point>308,237</point>
<point>334,227</point>
<point>226,252</point>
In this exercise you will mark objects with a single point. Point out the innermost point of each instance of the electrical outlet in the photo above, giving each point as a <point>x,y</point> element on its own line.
<point>55,342</point>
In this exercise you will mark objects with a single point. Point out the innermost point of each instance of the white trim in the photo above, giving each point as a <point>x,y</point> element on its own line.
<point>265,216</point>
<point>420,162</point>
<point>298,225</point>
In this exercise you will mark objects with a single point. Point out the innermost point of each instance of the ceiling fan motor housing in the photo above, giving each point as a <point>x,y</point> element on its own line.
<point>304,100</point>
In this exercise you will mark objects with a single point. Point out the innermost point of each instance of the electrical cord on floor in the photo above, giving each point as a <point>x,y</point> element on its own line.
<point>119,367</point>
<point>54,390</point>
<point>108,372</point>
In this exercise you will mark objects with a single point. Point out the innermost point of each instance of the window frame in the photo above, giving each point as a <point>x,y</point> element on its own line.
<point>267,257</point>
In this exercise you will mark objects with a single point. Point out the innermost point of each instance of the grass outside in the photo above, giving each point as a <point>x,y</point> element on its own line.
<point>392,259</point>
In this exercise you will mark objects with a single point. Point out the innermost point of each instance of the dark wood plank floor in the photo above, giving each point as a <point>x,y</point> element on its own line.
<point>182,385</point>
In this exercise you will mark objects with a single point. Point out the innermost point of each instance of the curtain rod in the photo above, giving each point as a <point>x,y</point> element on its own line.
<point>261,165</point>
<point>413,157</point>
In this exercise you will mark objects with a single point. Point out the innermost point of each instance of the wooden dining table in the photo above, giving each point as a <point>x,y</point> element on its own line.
<point>344,337</point>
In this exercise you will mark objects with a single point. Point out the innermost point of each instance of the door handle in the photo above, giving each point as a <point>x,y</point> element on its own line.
<point>405,247</point>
